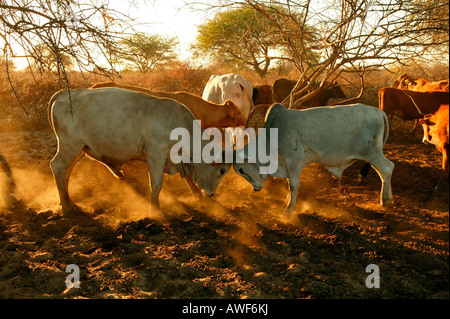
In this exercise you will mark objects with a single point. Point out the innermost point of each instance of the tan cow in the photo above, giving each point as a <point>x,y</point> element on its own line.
<point>114,126</point>
<point>406,82</point>
<point>211,114</point>
<point>436,132</point>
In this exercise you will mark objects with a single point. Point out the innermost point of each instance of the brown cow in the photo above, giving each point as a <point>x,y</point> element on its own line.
<point>329,91</point>
<point>406,82</point>
<point>211,114</point>
<point>283,87</point>
<point>262,94</point>
<point>436,132</point>
<point>410,105</point>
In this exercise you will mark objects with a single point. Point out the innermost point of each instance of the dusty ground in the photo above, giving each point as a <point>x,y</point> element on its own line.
<point>239,246</point>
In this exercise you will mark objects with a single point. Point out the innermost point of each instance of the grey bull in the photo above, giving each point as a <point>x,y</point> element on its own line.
<point>113,126</point>
<point>335,136</point>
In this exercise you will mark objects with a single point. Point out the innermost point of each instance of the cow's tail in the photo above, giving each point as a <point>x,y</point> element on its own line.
<point>380,98</point>
<point>386,127</point>
<point>50,105</point>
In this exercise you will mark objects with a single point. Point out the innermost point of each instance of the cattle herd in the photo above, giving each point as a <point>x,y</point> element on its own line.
<point>115,123</point>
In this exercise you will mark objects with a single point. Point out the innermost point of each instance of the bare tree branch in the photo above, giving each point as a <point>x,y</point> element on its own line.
<point>355,36</point>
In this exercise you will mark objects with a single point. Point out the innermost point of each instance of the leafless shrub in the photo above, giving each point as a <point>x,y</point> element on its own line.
<point>352,37</point>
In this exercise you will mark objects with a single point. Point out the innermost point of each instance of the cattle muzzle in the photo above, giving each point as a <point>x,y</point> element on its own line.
<point>426,140</point>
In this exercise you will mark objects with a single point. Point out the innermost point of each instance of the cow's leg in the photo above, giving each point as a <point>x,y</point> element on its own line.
<point>294,173</point>
<point>443,180</point>
<point>196,192</point>
<point>156,175</point>
<point>62,165</point>
<point>363,172</point>
<point>336,171</point>
<point>384,168</point>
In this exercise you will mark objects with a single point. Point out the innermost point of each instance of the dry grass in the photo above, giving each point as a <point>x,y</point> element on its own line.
<point>34,90</point>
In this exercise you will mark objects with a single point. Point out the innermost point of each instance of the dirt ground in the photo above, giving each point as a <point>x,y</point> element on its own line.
<point>237,245</point>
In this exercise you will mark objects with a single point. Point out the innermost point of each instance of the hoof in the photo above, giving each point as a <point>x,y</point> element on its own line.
<point>289,210</point>
<point>206,201</point>
<point>386,203</point>
<point>71,210</point>
<point>289,216</point>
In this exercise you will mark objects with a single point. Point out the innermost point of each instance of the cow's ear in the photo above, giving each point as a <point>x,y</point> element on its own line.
<point>228,103</point>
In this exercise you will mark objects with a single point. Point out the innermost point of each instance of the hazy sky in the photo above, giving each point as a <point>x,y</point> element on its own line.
<point>170,17</point>
<point>173,18</point>
<point>166,17</point>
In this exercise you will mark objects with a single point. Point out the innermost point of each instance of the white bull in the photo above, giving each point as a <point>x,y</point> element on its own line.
<point>230,87</point>
<point>335,137</point>
<point>114,126</point>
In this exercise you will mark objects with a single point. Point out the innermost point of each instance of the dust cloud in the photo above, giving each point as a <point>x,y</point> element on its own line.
<point>94,189</point>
